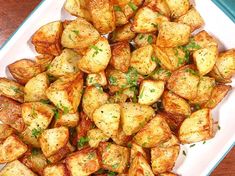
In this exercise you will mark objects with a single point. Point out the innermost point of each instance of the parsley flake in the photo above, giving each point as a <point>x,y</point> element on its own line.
<point>117,8</point>
<point>36,132</point>
<point>132,6</point>
<point>150,39</point>
<point>82,141</point>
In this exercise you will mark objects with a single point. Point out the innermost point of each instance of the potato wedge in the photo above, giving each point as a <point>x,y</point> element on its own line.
<point>173,34</point>
<point>114,157</point>
<point>52,140</point>
<point>47,38</point>
<point>23,70</point>
<point>84,162</point>
<point>11,89</point>
<point>145,39</point>
<point>178,8</point>
<point>92,99</point>
<point>174,104</point>
<point>30,137</point>
<point>16,168</point>
<point>96,58</point>
<point>35,89</point>
<point>146,20</point>
<point>121,56</point>
<point>66,92</point>
<point>10,113</point>
<point>150,91</point>
<point>136,150</point>
<point>134,116</point>
<point>198,127</point>
<point>44,61</point>
<point>107,118</point>
<point>184,82</point>
<point>5,131</point>
<point>120,17</point>
<point>159,5</point>
<point>121,138</point>
<point>96,136</point>
<point>11,149</point>
<point>142,60</point>
<point>67,120</point>
<point>102,15</point>
<point>96,78</point>
<point>156,131</point>
<point>79,34</point>
<point>55,170</point>
<point>64,64</point>
<point>139,166</point>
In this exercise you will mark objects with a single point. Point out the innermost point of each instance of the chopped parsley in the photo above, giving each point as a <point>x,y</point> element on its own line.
<point>64,108</point>
<point>129,145</point>
<point>56,113</point>
<point>90,80</point>
<point>96,50</point>
<point>113,80</point>
<point>117,8</point>
<point>82,141</point>
<point>35,151</point>
<point>197,107</point>
<point>152,90</point>
<point>132,6</point>
<point>110,173</point>
<point>36,132</point>
<point>150,39</point>
<point>45,101</point>
<point>154,25</point>
<point>115,166</point>
<point>142,93</point>
<point>184,153</point>
<point>99,87</point>
<point>204,142</point>
<point>192,145</point>
<point>33,113</point>
<point>191,71</point>
<point>16,89</point>
<point>141,37</point>
<point>132,76</point>
<point>219,127</point>
<point>76,32</point>
<point>192,45</point>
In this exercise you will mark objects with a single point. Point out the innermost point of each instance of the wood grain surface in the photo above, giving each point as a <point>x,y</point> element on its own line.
<point>12,14</point>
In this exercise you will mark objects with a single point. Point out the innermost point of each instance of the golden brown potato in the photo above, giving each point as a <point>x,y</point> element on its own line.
<point>217,75</point>
<point>192,18</point>
<point>114,157</point>
<point>11,149</point>
<point>197,127</point>
<point>68,120</point>
<point>140,166</point>
<point>66,92</point>
<point>96,136</point>
<point>205,59</point>
<point>11,89</point>
<point>156,131</point>
<point>173,34</point>
<point>83,162</point>
<point>174,104</point>
<point>79,34</point>
<point>23,70</point>
<point>134,116</point>
<point>10,113</point>
<point>96,78</point>
<point>55,170</point>
<point>161,74</point>
<point>102,15</point>
<point>218,93</point>
<point>92,99</point>
<point>107,118</point>
<point>160,6</point>
<point>121,55</point>
<point>150,91</point>
<point>35,89</point>
<point>142,60</point>
<point>184,82</point>
<point>16,168</point>
<point>178,8</point>
<point>30,136</point>
<point>135,150</point>
<point>120,17</point>
<point>96,58</point>
<point>5,131</point>
<point>130,7</point>
<point>52,140</point>
<point>44,61</point>
<point>47,38</point>
<point>122,33</point>
<point>121,138</point>
<point>64,64</point>
<point>145,39</point>
<point>146,20</point>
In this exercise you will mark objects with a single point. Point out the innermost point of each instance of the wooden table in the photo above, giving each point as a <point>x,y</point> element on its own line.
<point>13,12</point>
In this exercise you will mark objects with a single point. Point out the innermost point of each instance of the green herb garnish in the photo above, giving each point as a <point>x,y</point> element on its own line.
<point>45,101</point>
<point>113,80</point>
<point>184,153</point>
<point>117,8</point>
<point>96,50</point>
<point>192,145</point>
<point>36,132</point>
<point>150,39</point>
<point>82,141</point>
<point>56,113</point>
<point>132,6</point>
<point>191,71</point>
<point>76,32</point>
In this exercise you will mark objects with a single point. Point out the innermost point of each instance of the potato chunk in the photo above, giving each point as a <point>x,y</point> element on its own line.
<point>102,15</point>
<point>184,82</point>
<point>160,6</point>
<point>121,138</point>
<point>107,118</point>
<point>44,61</point>
<point>96,136</point>
<point>96,58</point>
<point>52,140</point>
<point>96,78</point>
<point>198,127</point>
<point>23,70</point>
<point>142,61</point>
<point>173,34</point>
<point>135,150</point>
<point>35,89</point>
<point>134,116</point>
<point>68,120</point>
<point>11,149</point>
<point>156,131</point>
<point>55,170</point>
<point>145,39</point>
<point>178,8</point>
<point>66,92</point>
<point>114,157</point>
<point>47,38</point>
<point>64,64</point>
<point>84,162</point>
<point>79,34</point>
<point>5,131</point>
<point>11,89</point>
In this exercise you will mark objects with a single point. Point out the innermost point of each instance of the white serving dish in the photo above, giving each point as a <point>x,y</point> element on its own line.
<point>202,158</point>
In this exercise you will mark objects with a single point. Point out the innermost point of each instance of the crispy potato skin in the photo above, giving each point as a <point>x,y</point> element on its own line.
<point>5,131</point>
<point>56,170</point>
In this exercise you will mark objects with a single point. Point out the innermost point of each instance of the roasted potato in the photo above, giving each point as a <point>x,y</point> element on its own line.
<point>135,150</point>
<point>5,131</point>
<point>107,118</point>
<point>11,149</point>
<point>23,70</point>
<point>150,91</point>
<point>96,79</point>
<point>159,5</point>
<point>102,14</point>
<point>30,136</point>
<point>47,38</point>
<point>52,140</point>
<point>11,89</point>
<point>68,120</point>
<point>79,34</point>
<point>96,136</point>
<point>120,17</point>
<point>44,61</point>
<point>55,170</point>
<point>172,34</point>
<point>114,157</point>
<point>197,127</point>
<point>121,138</point>
<point>130,7</point>
<point>66,92</point>
<point>178,8</point>
<point>96,58</point>
<point>142,60</point>
<point>145,39</point>
<point>134,116</point>
<point>161,74</point>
